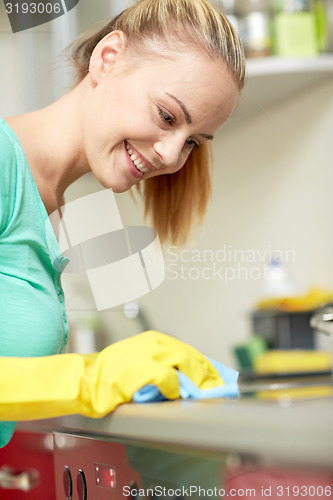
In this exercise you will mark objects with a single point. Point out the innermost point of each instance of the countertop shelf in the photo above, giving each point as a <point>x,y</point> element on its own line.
<point>273,80</point>
<point>296,432</point>
<point>266,66</point>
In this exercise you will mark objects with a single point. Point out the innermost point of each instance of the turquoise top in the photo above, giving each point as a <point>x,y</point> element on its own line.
<point>32,310</point>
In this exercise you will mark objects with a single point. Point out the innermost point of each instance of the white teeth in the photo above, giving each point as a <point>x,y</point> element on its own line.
<point>142,168</point>
<point>136,162</point>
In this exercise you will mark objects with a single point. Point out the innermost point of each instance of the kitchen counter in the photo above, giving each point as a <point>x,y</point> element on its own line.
<point>282,431</point>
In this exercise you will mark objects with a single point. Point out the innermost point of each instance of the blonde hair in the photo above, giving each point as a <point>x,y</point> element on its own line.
<point>175,202</point>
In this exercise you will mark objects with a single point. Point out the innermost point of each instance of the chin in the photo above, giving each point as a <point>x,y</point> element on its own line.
<point>114,179</point>
<point>119,187</point>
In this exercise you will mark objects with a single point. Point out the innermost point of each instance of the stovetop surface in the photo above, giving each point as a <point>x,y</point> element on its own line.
<point>293,386</point>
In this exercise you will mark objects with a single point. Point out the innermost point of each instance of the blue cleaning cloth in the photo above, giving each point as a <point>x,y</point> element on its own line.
<point>188,389</point>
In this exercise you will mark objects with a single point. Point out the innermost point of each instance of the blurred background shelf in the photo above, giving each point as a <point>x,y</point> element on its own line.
<point>273,65</point>
<point>273,80</point>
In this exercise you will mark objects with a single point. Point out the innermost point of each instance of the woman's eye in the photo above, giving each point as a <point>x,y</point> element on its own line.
<point>190,143</point>
<point>166,118</point>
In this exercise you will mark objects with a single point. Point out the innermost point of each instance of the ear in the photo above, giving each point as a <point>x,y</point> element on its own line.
<point>106,54</point>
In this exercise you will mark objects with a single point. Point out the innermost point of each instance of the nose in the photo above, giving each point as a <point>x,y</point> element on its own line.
<point>170,151</point>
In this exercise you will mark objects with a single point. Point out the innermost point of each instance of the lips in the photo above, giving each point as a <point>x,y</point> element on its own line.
<point>140,163</point>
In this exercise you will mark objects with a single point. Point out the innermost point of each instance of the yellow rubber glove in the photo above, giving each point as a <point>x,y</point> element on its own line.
<point>94,384</point>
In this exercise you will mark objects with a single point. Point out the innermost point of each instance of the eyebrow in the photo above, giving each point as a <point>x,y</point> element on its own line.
<point>188,116</point>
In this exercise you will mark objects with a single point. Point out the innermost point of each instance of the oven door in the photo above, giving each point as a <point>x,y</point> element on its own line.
<point>26,467</point>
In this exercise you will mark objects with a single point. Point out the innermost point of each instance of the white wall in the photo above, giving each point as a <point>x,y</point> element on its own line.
<point>9,70</point>
<point>28,67</point>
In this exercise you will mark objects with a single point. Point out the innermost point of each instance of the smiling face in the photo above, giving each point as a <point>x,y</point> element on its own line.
<point>144,119</point>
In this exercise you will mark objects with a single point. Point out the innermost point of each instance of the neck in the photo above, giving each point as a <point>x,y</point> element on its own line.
<point>52,141</point>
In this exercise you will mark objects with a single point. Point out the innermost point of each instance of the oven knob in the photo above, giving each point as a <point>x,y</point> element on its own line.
<point>134,491</point>
<point>81,485</point>
<point>68,485</point>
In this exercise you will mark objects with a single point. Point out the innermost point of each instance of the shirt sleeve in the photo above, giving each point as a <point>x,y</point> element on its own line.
<point>8,179</point>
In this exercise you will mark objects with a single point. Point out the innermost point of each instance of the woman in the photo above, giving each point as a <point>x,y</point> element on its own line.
<point>152,88</point>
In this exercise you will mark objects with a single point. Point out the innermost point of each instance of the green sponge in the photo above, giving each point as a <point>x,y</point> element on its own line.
<point>246,354</point>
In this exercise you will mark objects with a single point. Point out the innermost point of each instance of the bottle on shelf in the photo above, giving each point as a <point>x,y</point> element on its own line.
<point>254,17</point>
<point>229,10</point>
<point>277,283</point>
<point>295,28</point>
